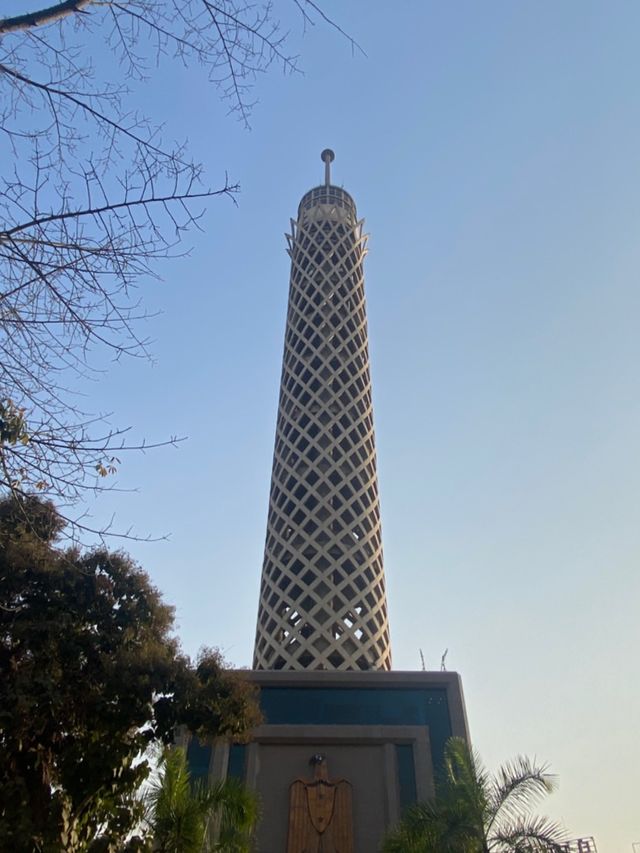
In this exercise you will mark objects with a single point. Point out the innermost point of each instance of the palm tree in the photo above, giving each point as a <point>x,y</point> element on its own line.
<point>184,815</point>
<point>474,813</point>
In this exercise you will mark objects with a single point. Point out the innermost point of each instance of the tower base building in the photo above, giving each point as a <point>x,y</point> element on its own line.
<point>378,736</point>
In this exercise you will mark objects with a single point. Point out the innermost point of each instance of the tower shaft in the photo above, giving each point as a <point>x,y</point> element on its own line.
<point>322,597</point>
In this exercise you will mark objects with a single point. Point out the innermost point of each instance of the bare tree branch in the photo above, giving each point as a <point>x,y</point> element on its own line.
<point>92,196</point>
<point>43,16</point>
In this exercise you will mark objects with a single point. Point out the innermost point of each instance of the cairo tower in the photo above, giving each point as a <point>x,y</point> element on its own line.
<point>346,744</point>
<point>322,598</point>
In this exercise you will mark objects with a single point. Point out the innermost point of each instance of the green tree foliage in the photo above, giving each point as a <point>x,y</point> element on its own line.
<point>185,816</point>
<point>475,813</point>
<point>90,676</point>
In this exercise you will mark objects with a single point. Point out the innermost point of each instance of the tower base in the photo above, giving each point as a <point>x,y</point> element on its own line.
<point>381,736</point>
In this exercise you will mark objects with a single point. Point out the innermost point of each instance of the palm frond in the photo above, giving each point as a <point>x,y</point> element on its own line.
<point>177,818</point>
<point>435,827</point>
<point>517,787</point>
<point>236,810</point>
<point>418,832</point>
<point>473,813</point>
<point>530,835</point>
<point>464,789</point>
<point>184,815</point>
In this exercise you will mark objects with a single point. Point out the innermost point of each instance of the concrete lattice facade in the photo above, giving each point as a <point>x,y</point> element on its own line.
<point>322,598</point>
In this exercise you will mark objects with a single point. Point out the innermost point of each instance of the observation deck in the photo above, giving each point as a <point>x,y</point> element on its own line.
<point>327,194</point>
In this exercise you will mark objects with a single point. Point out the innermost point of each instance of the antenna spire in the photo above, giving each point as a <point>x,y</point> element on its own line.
<point>327,157</point>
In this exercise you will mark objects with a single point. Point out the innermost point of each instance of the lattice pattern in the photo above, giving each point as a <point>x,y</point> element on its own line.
<point>322,598</point>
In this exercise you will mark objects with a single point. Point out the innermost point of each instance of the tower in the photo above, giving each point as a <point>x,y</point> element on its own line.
<point>322,597</point>
<point>345,744</point>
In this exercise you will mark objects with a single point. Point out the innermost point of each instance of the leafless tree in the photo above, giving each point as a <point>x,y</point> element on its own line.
<point>91,196</point>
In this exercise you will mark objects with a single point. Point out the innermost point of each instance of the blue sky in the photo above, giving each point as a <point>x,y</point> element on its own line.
<point>493,150</point>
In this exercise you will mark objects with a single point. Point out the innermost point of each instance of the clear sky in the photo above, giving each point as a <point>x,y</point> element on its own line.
<point>493,149</point>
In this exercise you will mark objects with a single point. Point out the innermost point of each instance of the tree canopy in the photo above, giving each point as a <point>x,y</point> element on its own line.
<point>90,676</point>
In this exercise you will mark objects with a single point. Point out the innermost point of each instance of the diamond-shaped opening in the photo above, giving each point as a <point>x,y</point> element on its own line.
<point>322,617</point>
<point>307,630</point>
<point>307,603</point>
<point>305,659</point>
<point>322,538</point>
<point>335,659</point>
<point>320,643</point>
<point>349,592</point>
<point>321,590</point>
<point>308,577</point>
<point>322,564</point>
<point>311,502</point>
<point>349,646</point>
